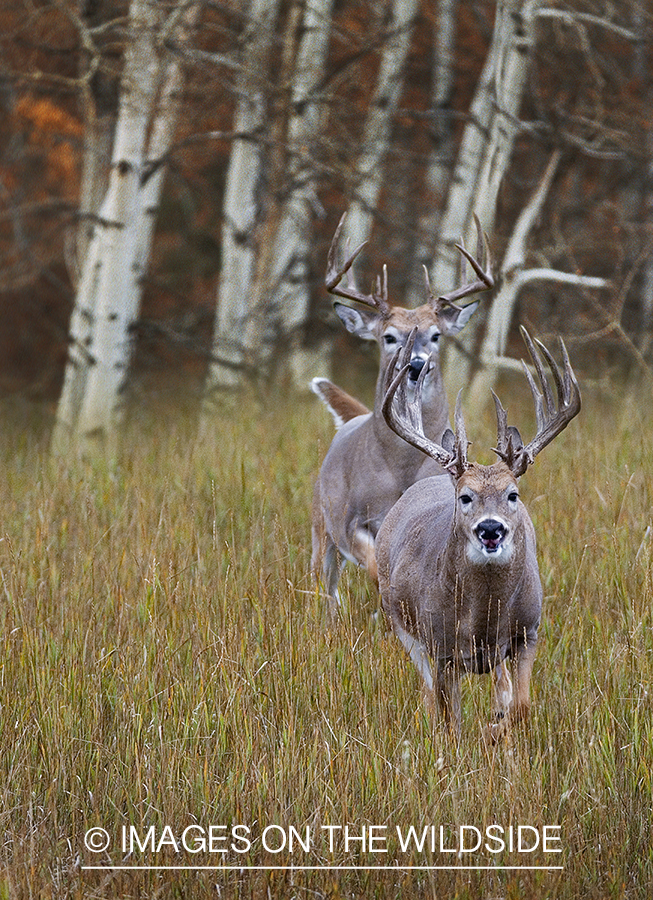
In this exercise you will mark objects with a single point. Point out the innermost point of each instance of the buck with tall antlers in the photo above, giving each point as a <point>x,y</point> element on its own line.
<point>367,467</point>
<point>458,572</point>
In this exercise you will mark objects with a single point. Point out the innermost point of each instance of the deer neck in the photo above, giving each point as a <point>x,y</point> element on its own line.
<point>476,583</point>
<point>435,413</point>
<point>481,601</point>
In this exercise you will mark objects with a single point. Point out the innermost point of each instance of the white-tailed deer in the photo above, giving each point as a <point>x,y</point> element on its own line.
<point>458,572</point>
<point>367,467</point>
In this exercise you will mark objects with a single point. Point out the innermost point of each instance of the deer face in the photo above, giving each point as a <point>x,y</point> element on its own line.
<point>488,513</point>
<point>391,329</point>
<point>390,326</point>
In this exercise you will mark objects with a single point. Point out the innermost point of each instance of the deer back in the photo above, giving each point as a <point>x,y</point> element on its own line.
<point>360,495</point>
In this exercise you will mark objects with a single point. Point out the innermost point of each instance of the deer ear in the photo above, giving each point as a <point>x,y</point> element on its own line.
<point>358,322</point>
<point>454,318</point>
<point>448,441</point>
<point>515,439</point>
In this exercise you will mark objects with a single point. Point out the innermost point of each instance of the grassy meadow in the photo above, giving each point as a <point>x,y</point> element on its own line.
<point>167,669</point>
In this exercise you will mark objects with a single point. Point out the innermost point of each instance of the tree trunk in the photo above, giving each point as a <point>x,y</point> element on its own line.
<point>241,210</point>
<point>440,158</point>
<point>512,278</point>
<point>371,172</point>
<point>483,161</point>
<point>108,297</point>
<point>289,274</point>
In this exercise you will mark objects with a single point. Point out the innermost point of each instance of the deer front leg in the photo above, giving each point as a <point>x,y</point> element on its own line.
<point>521,669</point>
<point>447,689</point>
<point>502,690</point>
<point>417,652</point>
<point>503,695</point>
<point>442,688</point>
<point>332,565</point>
<point>512,705</point>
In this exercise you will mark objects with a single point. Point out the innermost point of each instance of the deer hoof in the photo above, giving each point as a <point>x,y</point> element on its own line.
<point>495,731</point>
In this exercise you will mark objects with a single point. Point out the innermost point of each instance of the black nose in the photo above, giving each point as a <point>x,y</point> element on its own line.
<point>416,366</point>
<point>490,533</point>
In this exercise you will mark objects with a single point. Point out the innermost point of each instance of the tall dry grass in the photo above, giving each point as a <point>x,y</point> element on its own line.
<point>166,661</point>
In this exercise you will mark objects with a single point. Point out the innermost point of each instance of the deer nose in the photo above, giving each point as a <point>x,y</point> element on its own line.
<point>490,533</point>
<point>416,366</point>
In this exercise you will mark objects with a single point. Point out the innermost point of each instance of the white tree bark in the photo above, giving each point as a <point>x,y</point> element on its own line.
<point>456,217</point>
<point>513,277</point>
<point>289,275</point>
<point>241,209</point>
<point>500,314</point>
<point>512,67</point>
<point>439,163</point>
<point>162,130</point>
<point>95,166</point>
<point>99,330</point>
<point>108,296</point>
<point>371,171</point>
<point>485,153</point>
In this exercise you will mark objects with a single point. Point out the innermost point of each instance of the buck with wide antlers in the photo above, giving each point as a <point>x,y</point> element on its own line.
<point>367,467</point>
<point>458,572</point>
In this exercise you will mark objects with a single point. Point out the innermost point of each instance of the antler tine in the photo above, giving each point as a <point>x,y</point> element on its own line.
<point>335,274</point>
<point>459,462</point>
<point>483,269</point>
<point>509,443</point>
<point>482,251</point>
<point>539,368</point>
<point>502,425</point>
<point>552,415</point>
<point>462,260</point>
<point>430,298</point>
<point>404,416</point>
<point>382,286</point>
<point>570,384</point>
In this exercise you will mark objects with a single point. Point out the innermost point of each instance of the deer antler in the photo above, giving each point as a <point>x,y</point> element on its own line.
<point>334,274</point>
<point>551,419</point>
<point>404,416</point>
<point>483,270</point>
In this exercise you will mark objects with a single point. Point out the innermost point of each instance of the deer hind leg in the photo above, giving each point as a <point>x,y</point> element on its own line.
<point>331,569</point>
<point>362,548</point>
<point>326,562</point>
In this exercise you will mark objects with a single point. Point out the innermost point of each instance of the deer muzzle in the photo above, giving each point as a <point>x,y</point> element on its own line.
<point>417,363</point>
<point>491,534</point>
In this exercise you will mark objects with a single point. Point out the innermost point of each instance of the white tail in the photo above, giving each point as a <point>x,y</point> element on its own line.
<point>457,567</point>
<point>368,467</point>
<point>342,406</point>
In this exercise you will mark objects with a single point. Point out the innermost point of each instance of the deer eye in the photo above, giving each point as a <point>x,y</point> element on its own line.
<point>389,340</point>
<point>435,338</point>
<point>465,501</point>
<point>513,497</point>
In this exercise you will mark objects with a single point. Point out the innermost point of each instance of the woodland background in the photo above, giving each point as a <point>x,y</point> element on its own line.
<point>171,176</point>
<point>246,129</point>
